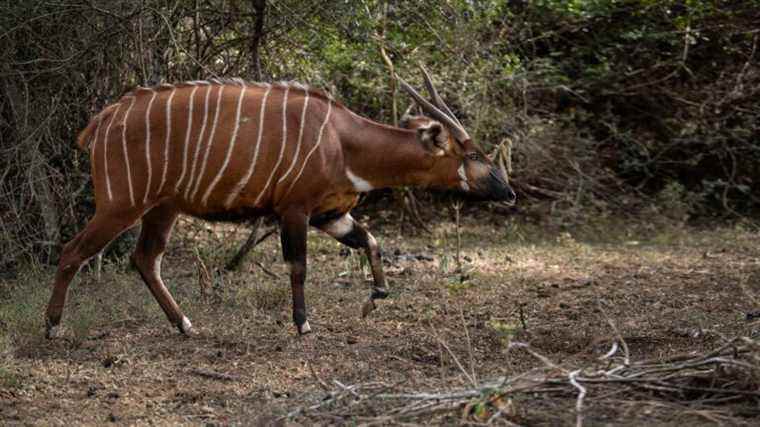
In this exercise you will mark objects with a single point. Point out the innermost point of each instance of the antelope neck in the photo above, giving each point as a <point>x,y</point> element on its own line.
<point>382,156</point>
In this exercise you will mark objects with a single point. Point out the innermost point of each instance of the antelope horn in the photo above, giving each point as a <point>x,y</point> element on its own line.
<point>459,133</point>
<point>408,111</point>
<point>437,98</point>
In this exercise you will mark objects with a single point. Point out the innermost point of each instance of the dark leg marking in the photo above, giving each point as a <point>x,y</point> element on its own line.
<point>294,226</point>
<point>352,234</point>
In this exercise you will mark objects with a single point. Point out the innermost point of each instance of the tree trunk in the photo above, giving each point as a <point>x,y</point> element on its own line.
<point>259,6</point>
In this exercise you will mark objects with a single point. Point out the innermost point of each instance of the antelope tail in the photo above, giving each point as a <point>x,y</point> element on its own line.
<point>87,135</point>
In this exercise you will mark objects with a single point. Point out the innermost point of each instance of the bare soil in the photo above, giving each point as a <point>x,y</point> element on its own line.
<point>120,361</point>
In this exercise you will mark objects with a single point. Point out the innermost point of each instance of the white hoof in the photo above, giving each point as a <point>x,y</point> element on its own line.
<point>53,332</point>
<point>186,327</point>
<point>305,328</point>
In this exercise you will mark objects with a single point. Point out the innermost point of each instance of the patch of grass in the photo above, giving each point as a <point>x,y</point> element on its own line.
<point>9,379</point>
<point>269,295</point>
<point>21,308</point>
<point>504,330</point>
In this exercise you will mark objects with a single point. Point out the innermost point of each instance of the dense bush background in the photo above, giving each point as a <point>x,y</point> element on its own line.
<point>637,107</point>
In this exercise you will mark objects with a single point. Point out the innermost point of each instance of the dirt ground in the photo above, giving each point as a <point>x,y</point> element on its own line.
<point>120,361</point>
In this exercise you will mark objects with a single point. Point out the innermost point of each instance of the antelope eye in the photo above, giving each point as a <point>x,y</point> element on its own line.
<point>473,156</point>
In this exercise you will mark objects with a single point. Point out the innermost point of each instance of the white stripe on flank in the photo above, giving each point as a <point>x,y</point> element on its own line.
<point>210,142</point>
<point>313,149</point>
<point>187,139</point>
<point>189,184</point>
<point>244,181</point>
<point>300,137</point>
<point>147,145</point>
<point>105,152</point>
<point>93,146</point>
<point>166,140</point>
<point>126,155</point>
<point>282,146</point>
<point>229,149</point>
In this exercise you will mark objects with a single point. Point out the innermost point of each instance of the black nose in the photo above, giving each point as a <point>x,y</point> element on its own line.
<point>498,189</point>
<point>511,197</point>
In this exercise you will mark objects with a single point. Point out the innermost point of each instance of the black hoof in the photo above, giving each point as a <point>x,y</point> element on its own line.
<point>379,293</point>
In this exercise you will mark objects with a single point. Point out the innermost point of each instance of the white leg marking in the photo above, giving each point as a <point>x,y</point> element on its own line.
<point>244,181</point>
<point>157,267</point>
<point>105,153</point>
<point>300,137</point>
<point>167,139</point>
<point>341,226</point>
<point>360,184</point>
<point>54,331</point>
<point>186,325</point>
<point>313,149</point>
<point>305,328</point>
<point>126,155</point>
<point>147,145</point>
<point>210,142</point>
<point>371,241</point>
<point>189,184</point>
<point>187,139</point>
<point>282,146</point>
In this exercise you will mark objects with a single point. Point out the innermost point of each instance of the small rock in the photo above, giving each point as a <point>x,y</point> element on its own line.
<point>112,417</point>
<point>109,361</point>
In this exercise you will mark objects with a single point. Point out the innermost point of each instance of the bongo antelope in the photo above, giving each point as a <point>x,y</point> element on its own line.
<point>230,150</point>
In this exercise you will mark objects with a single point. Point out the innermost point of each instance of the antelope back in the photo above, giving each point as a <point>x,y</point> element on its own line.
<point>210,146</point>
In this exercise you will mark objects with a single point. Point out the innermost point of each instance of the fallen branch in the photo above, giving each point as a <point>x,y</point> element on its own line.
<point>214,375</point>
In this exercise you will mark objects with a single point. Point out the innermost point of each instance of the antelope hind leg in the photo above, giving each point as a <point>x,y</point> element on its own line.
<point>294,226</point>
<point>156,230</point>
<point>100,230</point>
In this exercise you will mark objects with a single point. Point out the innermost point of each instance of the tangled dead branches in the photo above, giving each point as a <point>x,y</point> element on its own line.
<point>722,384</point>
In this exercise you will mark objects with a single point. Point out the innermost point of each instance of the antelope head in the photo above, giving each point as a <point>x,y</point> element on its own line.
<point>459,163</point>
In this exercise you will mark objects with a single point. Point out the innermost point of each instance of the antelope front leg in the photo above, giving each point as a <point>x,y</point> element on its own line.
<point>293,238</point>
<point>352,234</point>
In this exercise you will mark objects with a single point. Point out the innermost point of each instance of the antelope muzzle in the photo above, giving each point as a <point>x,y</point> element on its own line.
<point>493,186</point>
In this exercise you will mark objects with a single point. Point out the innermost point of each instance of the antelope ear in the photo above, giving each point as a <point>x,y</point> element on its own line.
<point>434,137</point>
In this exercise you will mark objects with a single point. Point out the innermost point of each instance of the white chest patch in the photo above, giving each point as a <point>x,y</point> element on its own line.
<point>360,184</point>
<point>463,178</point>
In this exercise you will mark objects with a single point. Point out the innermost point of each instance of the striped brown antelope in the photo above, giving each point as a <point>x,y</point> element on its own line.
<point>228,150</point>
